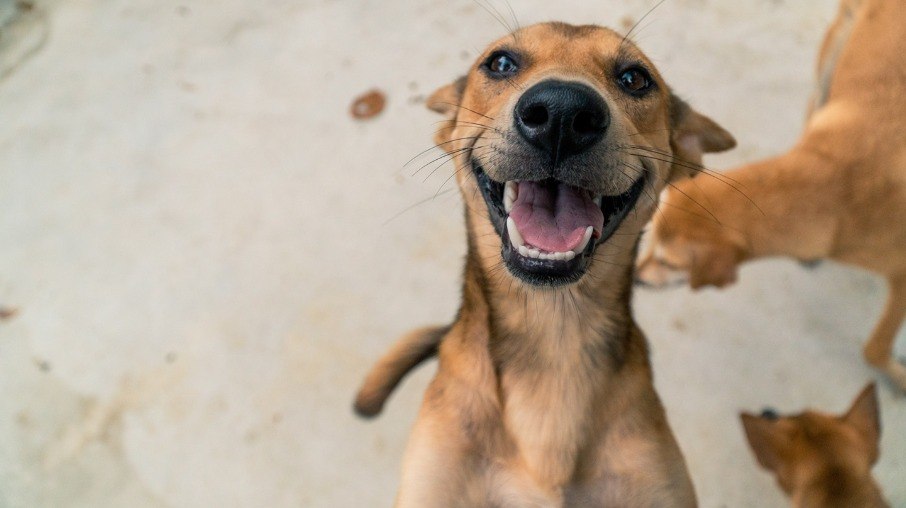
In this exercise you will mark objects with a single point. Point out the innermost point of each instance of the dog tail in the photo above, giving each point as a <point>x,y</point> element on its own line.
<point>408,352</point>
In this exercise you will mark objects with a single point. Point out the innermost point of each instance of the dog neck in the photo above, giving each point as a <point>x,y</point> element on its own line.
<point>551,328</point>
<point>839,487</point>
<point>552,347</point>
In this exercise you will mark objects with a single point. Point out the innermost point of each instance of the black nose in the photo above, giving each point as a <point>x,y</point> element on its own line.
<point>769,414</point>
<point>561,118</point>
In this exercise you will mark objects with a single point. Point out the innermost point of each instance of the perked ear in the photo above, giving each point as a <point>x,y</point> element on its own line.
<point>767,438</point>
<point>445,100</point>
<point>864,417</point>
<point>692,136</point>
<point>713,265</point>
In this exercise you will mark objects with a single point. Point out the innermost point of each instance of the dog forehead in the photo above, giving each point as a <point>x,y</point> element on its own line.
<point>564,44</point>
<point>556,32</point>
<point>819,429</point>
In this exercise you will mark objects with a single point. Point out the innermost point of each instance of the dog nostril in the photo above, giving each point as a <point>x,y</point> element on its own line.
<point>586,123</point>
<point>534,116</point>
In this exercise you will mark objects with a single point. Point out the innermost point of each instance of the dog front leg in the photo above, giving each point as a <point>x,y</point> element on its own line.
<point>878,350</point>
<point>437,472</point>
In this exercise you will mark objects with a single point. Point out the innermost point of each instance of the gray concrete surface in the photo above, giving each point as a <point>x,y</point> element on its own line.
<point>207,253</point>
<point>7,10</point>
<point>23,32</point>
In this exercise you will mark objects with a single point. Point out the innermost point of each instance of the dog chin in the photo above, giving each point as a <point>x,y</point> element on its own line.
<point>550,230</point>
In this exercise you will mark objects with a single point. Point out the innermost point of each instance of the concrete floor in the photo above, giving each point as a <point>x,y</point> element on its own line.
<point>207,253</point>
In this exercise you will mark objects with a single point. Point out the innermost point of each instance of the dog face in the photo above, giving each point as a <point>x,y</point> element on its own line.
<point>560,133</point>
<point>798,449</point>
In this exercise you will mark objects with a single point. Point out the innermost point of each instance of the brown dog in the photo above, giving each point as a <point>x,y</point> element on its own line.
<point>840,193</point>
<point>820,460</point>
<point>563,136</point>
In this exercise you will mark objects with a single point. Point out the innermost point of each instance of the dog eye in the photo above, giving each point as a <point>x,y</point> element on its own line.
<point>635,80</point>
<point>501,64</point>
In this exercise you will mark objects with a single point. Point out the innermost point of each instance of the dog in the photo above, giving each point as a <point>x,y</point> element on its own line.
<point>563,137</point>
<point>839,193</point>
<point>821,460</point>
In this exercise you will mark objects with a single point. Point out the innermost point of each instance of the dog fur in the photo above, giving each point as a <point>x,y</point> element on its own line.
<point>822,460</point>
<point>839,194</point>
<point>544,395</point>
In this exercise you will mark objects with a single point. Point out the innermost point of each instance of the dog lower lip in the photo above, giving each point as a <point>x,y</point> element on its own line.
<point>553,269</point>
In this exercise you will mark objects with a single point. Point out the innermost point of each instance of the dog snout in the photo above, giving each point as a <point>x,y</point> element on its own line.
<point>561,118</point>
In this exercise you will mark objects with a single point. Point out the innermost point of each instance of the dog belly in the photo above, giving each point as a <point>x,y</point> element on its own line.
<point>879,250</point>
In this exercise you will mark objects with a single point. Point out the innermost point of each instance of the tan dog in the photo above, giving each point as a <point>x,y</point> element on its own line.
<point>840,193</point>
<point>820,460</point>
<point>563,136</point>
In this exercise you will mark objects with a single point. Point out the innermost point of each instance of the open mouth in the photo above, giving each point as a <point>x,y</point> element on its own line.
<point>549,229</point>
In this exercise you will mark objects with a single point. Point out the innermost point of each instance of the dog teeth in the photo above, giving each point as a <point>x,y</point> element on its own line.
<point>559,256</point>
<point>588,232</point>
<point>515,236</point>
<point>509,195</point>
<point>598,200</point>
<point>531,252</point>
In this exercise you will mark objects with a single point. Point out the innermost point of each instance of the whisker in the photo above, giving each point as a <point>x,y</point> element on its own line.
<point>457,123</point>
<point>460,106</point>
<point>642,133</point>
<point>688,164</point>
<point>513,14</point>
<point>496,15</point>
<point>460,168</point>
<point>691,199</point>
<point>415,205</point>
<point>672,159</point>
<point>637,23</point>
<point>419,154</point>
<point>444,156</point>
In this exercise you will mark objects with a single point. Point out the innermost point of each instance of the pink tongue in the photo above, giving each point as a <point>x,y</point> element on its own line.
<point>554,218</point>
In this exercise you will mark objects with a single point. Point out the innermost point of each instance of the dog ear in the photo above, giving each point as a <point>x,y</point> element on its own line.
<point>692,136</point>
<point>713,265</point>
<point>863,416</point>
<point>445,100</point>
<point>767,438</point>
